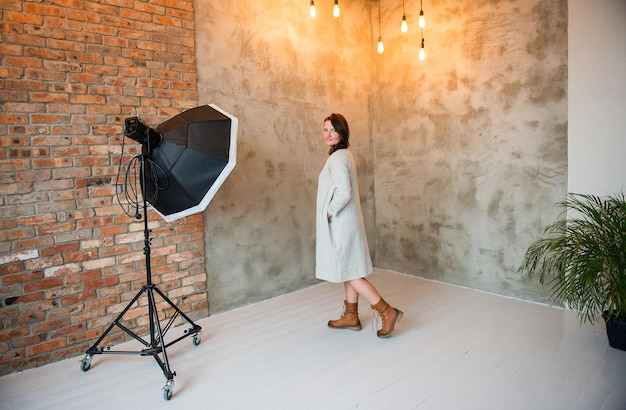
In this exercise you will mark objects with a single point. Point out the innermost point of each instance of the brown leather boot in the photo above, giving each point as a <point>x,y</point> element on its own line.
<point>389,315</point>
<point>349,318</point>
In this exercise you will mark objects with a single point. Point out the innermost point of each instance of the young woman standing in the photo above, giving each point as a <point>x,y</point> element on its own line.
<point>342,253</point>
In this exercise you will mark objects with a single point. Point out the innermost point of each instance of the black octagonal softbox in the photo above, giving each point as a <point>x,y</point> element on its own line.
<point>196,153</point>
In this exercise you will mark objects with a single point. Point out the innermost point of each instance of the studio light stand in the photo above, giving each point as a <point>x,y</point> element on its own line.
<point>154,344</point>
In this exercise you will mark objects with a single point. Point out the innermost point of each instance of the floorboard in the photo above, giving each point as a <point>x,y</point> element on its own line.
<point>455,348</point>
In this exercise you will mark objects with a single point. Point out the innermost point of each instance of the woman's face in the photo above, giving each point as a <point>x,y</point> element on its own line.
<point>331,137</point>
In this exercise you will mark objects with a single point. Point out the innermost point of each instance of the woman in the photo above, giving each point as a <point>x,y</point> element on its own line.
<point>342,254</point>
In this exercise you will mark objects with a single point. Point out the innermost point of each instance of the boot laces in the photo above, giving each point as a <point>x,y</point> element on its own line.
<point>376,320</point>
<point>343,312</point>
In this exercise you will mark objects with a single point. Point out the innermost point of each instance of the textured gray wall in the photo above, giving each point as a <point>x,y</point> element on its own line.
<point>460,157</point>
<point>471,144</point>
<point>280,72</point>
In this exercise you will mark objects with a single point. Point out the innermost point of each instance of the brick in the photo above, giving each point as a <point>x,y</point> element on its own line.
<point>7,313</point>
<point>59,249</point>
<point>68,81</point>
<point>112,230</point>
<point>65,311</point>
<point>27,152</point>
<point>102,302</point>
<point>62,271</point>
<point>50,325</point>
<point>179,257</point>
<point>45,75</point>
<point>77,214</point>
<point>76,235</point>
<point>103,283</point>
<point>19,256</point>
<point>99,263</point>
<point>39,175</point>
<point>43,10</point>
<point>83,336</point>
<point>26,341</point>
<point>56,228</point>
<point>107,191</point>
<point>50,206</point>
<point>26,62</point>
<point>95,222</point>
<point>78,298</point>
<point>71,172</point>
<point>130,238</point>
<point>70,351</point>
<point>13,334</point>
<point>43,284</point>
<point>16,210</point>
<point>97,242</point>
<point>53,185</point>
<point>81,277</point>
<point>46,347</point>
<point>13,119</point>
<point>9,268</point>
<point>22,277</point>
<point>130,257</point>
<point>31,297</point>
<point>88,315</point>
<point>52,162</point>
<point>24,320</point>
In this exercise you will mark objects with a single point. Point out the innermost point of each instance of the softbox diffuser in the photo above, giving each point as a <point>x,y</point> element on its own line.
<point>197,152</point>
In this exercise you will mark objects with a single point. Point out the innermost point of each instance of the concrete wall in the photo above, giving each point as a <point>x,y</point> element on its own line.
<point>461,157</point>
<point>281,73</point>
<point>471,144</point>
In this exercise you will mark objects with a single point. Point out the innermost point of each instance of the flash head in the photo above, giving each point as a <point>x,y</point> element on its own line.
<point>141,133</point>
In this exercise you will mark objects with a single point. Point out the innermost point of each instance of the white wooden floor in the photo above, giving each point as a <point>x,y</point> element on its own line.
<point>455,348</point>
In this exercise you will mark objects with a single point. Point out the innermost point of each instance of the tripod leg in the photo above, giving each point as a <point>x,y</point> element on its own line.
<point>195,329</point>
<point>97,350</point>
<point>157,338</point>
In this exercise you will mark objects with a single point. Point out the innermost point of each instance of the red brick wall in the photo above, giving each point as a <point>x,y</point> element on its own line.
<point>71,72</point>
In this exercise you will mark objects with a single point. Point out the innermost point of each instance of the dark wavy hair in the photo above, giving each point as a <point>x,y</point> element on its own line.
<point>341,126</point>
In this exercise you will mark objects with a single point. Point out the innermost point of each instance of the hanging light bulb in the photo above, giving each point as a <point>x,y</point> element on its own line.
<point>313,14</point>
<point>336,9</point>
<point>422,53</point>
<point>380,47</point>
<point>422,20</point>
<point>404,27</point>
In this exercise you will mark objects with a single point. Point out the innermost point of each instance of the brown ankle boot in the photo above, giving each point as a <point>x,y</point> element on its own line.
<point>349,318</point>
<point>389,315</point>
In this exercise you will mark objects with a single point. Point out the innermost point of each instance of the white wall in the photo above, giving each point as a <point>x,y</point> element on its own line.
<point>597,96</point>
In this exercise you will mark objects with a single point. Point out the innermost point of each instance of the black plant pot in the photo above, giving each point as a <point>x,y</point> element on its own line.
<point>616,332</point>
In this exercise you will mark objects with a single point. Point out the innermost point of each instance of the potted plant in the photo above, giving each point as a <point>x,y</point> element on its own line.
<point>582,256</point>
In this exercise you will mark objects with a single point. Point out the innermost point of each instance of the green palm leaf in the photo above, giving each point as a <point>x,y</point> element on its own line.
<point>582,256</point>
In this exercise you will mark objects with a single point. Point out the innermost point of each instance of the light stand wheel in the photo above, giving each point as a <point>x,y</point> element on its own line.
<point>168,389</point>
<point>197,339</point>
<point>85,364</point>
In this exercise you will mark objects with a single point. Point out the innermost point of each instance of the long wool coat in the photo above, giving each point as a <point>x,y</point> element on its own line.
<point>342,252</point>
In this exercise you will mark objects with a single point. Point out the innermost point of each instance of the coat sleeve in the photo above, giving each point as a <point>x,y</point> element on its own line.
<point>342,192</point>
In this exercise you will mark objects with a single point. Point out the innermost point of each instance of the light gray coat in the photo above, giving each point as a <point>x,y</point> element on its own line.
<point>342,252</point>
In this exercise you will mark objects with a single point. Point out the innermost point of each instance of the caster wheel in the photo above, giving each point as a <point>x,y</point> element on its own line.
<point>168,389</point>
<point>85,364</point>
<point>196,339</point>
